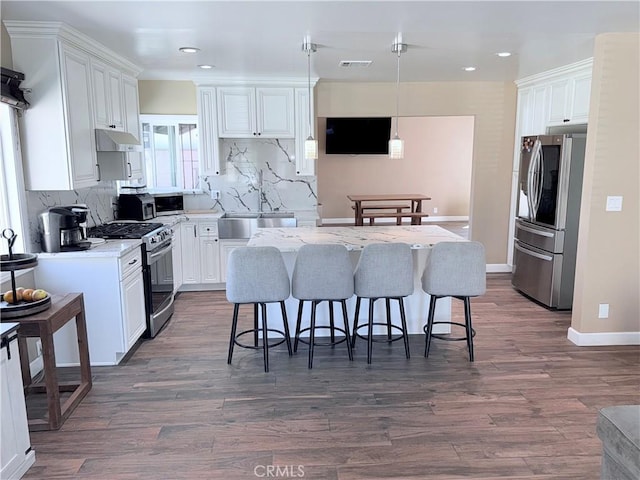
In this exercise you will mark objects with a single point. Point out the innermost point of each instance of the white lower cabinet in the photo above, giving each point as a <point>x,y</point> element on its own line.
<point>16,455</point>
<point>113,291</point>
<point>133,307</point>
<point>200,252</point>
<point>226,247</point>
<point>176,257</point>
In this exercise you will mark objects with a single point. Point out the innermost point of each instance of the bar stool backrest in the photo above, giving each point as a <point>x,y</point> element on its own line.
<point>385,270</point>
<point>456,269</point>
<point>322,272</point>
<point>257,275</point>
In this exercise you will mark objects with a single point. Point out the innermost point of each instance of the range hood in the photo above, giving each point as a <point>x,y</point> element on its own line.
<point>115,141</point>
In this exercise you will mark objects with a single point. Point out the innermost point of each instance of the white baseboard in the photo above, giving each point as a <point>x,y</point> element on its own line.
<point>603,338</point>
<point>498,268</point>
<point>36,366</point>
<point>382,221</point>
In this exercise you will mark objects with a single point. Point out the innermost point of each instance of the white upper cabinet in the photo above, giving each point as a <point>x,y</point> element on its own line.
<point>208,132</point>
<point>132,124</point>
<point>532,110</point>
<point>247,112</point>
<point>569,99</point>
<point>303,166</point>
<point>107,96</point>
<point>75,86</point>
<point>557,97</point>
<point>58,142</point>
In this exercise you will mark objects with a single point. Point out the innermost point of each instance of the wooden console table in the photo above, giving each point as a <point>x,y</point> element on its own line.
<point>363,202</point>
<point>43,325</point>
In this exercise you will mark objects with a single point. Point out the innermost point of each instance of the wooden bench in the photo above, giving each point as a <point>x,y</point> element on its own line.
<point>416,217</point>
<point>396,207</point>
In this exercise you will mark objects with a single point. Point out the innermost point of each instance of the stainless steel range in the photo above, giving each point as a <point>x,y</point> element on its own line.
<point>157,266</point>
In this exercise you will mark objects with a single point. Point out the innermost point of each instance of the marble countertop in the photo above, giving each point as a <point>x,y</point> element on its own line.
<point>110,248</point>
<point>354,238</point>
<point>7,328</point>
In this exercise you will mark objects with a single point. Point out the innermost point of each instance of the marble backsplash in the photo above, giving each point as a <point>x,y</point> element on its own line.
<point>99,199</point>
<point>258,175</point>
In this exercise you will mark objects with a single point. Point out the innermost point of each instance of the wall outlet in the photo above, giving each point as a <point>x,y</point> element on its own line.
<point>39,348</point>
<point>435,209</point>
<point>215,194</point>
<point>603,310</point>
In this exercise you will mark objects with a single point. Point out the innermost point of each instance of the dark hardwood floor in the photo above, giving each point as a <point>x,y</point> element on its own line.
<point>526,409</point>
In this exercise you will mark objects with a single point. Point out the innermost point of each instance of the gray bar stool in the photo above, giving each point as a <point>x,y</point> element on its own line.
<point>459,270</point>
<point>385,270</point>
<point>257,275</point>
<point>322,272</point>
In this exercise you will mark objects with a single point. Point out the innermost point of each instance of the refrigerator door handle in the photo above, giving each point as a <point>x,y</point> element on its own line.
<point>535,177</point>
<point>526,251</point>
<point>534,231</point>
<point>539,177</point>
<point>531,192</point>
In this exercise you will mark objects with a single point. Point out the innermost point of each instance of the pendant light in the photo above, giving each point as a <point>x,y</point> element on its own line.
<point>396,144</point>
<point>310,144</point>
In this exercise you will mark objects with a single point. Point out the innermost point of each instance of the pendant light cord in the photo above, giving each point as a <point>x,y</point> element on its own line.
<point>309,83</point>
<point>399,47</point>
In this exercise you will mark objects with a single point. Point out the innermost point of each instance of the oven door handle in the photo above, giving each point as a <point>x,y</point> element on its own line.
<point>153,256</point>
<point>157,314</point>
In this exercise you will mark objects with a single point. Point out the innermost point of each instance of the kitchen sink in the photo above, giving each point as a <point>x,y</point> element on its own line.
<point>241,225</point>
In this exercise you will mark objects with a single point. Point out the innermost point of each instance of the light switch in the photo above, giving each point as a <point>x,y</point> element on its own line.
<point>614,204</point>
<point>603,310</point>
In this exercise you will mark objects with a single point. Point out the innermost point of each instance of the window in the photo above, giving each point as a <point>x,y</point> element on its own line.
<point>171,151</point>
<point>13,204</point>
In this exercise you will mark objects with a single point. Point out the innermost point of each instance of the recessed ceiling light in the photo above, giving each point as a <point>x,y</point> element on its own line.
<point>503,54</point>
<point>205,67</point>
<point>188,49</point>
<point>469,69</point>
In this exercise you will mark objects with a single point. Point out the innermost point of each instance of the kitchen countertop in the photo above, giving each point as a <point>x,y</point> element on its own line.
<point>354,238</point>
<point>111,248</point>
<point>7,328</point>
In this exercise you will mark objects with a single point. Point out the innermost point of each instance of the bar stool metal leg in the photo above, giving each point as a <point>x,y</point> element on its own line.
<point>298,324</point>
<point>265,337</point>
<point>355,323</point>
<point>234,326</point>
<point>429,327</point>
<point>370,337</point>
<point>346,328</point>
<point>467,317</point>
<point>388,307</point>
<point>403,318</point>
<point>285,321</point>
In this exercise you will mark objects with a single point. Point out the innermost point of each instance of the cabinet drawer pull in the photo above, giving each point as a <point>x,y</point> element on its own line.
<point>133,261</point>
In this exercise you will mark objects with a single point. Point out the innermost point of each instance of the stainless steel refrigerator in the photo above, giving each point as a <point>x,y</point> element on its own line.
<point>548,214</point>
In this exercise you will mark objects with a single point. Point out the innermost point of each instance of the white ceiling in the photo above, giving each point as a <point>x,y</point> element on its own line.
<point>263,39</point>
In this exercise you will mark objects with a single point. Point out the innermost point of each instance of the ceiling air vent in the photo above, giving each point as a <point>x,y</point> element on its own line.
<point>355,63</point>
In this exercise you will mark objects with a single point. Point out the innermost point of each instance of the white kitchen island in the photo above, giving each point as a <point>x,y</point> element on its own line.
<point>419,237</point>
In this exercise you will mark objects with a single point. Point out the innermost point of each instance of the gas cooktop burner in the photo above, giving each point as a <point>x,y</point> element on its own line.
<point>124,230</point>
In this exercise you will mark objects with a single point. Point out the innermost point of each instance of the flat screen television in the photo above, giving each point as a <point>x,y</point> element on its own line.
<point>358,135</point>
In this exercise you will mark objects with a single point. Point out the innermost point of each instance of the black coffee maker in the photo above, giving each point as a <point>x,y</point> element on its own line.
<point>64,229</point>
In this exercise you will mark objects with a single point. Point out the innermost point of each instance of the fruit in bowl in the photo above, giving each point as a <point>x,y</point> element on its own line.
<point>28,295</point>
<point>9,297</point>
<point>39,294</point>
